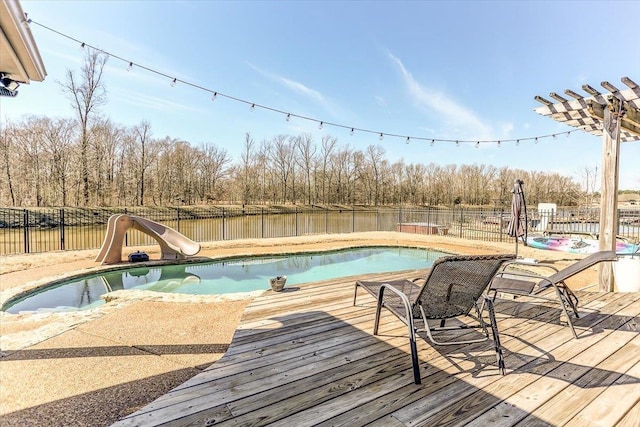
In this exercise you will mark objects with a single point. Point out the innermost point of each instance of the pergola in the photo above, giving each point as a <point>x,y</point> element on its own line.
<point>614,115</point>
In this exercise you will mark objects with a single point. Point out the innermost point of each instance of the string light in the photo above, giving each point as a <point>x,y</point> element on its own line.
<point>253,105</point>
<point>320,125</point>
<point>477,144</point>
<point>288,117</point>
<point>499,144</point>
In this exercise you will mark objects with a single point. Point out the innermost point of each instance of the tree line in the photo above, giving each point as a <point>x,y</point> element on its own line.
<point>88,160</point>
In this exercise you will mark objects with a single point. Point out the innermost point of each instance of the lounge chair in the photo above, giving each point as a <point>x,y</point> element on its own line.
<point>451,289</point>
<point>514,279</point>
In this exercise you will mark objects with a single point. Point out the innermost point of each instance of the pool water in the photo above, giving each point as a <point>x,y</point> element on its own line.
<point>225,276</point>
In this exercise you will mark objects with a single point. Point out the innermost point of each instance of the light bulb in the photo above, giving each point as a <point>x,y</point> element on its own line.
<point>408,140</point>
<point>536,141</point>
<point>499,144</point>
<point>253,107</point>
<point>214,96</point>
<point>554,136</point>
<point>82,45</point>
<point>173,83</point>
<point>351,132</point>
<point>433,141</point>
<point>130,66</point>
<point>457,143</point>
<point>320,125</point>
<point>517,142</point>
<point>381,136</point>
<point>288,118</point>
<point>477,144</point>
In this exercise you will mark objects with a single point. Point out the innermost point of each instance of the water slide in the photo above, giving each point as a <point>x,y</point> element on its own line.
<point>173,245</point>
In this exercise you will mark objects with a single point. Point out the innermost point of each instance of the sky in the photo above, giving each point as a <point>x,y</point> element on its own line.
<point>436,70</point>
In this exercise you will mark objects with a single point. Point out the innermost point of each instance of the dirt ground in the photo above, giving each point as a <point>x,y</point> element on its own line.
<point>95,366</point>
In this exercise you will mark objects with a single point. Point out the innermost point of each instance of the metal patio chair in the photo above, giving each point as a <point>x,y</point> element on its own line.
<point>514,279</point>
<point>451,289</point>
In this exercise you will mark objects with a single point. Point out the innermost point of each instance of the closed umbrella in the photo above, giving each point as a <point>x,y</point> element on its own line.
<point>518,224</point>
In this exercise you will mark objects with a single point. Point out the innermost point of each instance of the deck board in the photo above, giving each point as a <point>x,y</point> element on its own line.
<point>307,356</point>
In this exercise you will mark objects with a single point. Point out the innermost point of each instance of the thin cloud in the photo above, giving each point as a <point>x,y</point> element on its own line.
<point>381,101</point>
<point>300,89</point>
<point>303,90</point>
<point>153,102</point>
<point>453,114</point>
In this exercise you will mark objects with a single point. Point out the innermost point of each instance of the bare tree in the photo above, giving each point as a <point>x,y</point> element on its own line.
<point>87,93</point>
<point>7,145</point>
<point>307,161</point>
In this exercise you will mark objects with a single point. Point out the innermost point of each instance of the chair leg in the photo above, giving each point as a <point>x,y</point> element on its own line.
<point>414,355</point>
<point>376,321</point>
<point>412,336</point>
<point>355,294</point>
<point>481,319</point>
<point>566,313</point>
<point>496,336</point>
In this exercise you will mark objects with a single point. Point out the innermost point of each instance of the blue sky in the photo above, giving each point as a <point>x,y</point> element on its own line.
<point>443,70</point>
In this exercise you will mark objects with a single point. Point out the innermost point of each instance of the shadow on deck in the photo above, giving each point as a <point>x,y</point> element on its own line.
<point>307,357</point>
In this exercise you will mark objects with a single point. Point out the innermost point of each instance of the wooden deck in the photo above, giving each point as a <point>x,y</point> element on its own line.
<point>306,356</point>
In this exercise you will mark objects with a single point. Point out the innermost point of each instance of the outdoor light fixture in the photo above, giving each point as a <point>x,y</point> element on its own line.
<point>288,117</point>
<point>320,125</point>
<point>8,83</point>
<point>351,133</point>
<point>214,96</point>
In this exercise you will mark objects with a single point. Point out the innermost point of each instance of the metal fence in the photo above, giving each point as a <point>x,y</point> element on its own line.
<point>51,229</point>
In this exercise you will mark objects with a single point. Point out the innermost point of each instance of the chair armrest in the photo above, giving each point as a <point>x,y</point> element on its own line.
<point>400,294</point>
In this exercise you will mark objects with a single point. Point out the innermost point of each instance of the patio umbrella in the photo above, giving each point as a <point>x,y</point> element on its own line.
<point>518,224</point>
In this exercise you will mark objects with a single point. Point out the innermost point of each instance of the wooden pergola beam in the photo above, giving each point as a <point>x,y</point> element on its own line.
<point>614,116</point>
<point>630,119</point>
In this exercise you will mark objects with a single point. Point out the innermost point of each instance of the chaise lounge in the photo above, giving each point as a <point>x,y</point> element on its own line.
<point>451,289</point>
<point>513,279</point>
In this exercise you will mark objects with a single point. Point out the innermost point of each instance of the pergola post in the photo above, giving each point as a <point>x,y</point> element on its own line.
<point>609,188</point>
<point>615,117</point>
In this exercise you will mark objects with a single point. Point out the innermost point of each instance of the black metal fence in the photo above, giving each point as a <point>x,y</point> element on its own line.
<point>51,229</point>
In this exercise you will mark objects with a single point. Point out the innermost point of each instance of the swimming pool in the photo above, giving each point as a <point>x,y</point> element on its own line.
<point>224,276</point>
